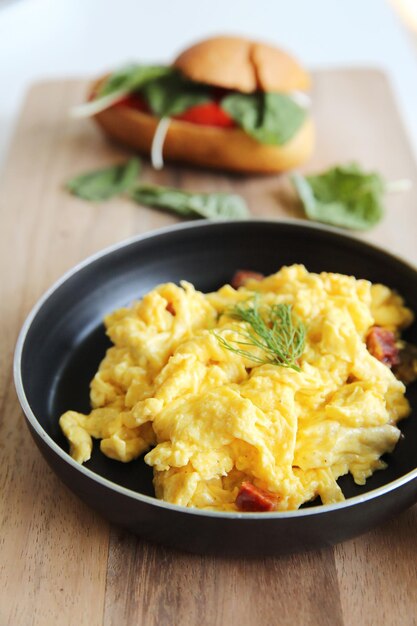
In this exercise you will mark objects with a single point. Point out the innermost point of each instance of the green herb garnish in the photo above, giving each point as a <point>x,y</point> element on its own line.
<point>270,118</point>
<point>275,330</point>
<point>226,206</point>
<point>344,196</point>
<point>105,183</point>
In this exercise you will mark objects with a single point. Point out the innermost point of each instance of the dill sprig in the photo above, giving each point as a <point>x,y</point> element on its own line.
<point>275,330</point>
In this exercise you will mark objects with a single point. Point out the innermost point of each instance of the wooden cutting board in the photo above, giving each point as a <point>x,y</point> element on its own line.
<point>60,563</point>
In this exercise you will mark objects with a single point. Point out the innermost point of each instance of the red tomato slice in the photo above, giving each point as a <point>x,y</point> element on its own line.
<point>207,114</point>
<point>134,101</point>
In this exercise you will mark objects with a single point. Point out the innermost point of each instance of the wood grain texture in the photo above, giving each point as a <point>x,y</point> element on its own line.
<point>54,549</point>
<point>159,586</point>
<point>60,563</point>
<point>379,571</point>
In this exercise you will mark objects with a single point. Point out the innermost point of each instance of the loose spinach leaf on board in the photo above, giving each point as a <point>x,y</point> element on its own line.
<point>270,118</point>
<point>132,77</point>
<point>217,205</point>
<point>119,179</point>
<point>343,196</point>
<point>105,183</point>
<point>172,95</point>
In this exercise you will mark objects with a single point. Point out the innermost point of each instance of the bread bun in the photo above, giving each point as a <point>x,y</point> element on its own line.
<point>232,63</point>
<point>241,64</point>
<point>207,146</point>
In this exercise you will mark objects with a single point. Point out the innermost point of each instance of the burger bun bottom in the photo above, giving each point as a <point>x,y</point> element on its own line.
<point>207,146</point>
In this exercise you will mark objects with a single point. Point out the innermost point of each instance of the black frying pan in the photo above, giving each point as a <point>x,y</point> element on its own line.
<point>63,341</point>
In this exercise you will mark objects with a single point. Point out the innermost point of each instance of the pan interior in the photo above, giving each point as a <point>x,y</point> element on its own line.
<point>66,340</point>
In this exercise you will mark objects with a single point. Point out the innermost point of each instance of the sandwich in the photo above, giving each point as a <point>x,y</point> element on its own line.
<point>225,103</point>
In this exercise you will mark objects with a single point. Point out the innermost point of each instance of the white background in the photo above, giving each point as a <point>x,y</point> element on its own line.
<point>60,38</point>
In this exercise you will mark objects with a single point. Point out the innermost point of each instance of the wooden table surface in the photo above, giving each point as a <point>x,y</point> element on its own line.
<point>61,563</point>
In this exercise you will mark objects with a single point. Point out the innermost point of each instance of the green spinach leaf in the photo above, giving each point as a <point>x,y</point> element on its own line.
<point>226,206</point>
<point>105,183</point>
<point>119,85</point>
<point>172,95</point>
<point>343,196</point>
<point>132,77</point>
<point>270,118</point>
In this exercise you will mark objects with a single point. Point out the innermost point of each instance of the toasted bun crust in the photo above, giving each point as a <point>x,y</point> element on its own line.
<point>237,63</point>
<point>207,146</point>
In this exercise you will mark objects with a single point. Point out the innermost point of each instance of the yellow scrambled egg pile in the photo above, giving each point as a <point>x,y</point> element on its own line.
<point>209,418</point>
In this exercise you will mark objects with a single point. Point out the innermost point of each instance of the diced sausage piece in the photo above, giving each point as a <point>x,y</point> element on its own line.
<point>255,500</point>
<point>381,344</point>
<point>406,369</point>
<point>170,308</point>
<point>241,276</point>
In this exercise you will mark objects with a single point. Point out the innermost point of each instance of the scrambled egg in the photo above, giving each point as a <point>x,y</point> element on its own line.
<point>210,418</point>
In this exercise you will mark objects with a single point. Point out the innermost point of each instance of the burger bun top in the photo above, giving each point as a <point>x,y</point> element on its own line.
<point>243,65</point>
